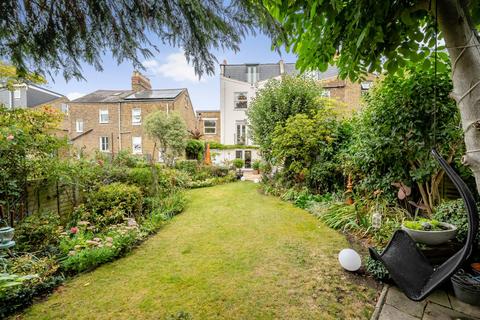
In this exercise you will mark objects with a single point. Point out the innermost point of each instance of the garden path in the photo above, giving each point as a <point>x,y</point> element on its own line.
<point>233,254</point>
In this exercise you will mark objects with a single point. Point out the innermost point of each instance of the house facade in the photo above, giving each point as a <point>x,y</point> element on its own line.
<point>110,121</point>
<point>209,125</point>
<point>33,96</point>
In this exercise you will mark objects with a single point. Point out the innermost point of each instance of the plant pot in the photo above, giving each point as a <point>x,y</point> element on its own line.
<point>464,291</point>
<point>433,237</point>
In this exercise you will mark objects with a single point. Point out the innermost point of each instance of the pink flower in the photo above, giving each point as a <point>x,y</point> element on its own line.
<point>10,137</point>
<point>73,230</point>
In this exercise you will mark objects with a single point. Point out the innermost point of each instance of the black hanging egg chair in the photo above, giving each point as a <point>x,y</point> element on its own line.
<point>407,265</point>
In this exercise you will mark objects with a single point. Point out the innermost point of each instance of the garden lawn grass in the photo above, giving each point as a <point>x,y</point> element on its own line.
<point>233,254</point>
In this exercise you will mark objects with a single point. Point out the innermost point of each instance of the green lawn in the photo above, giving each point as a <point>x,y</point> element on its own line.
<point>233,254</point>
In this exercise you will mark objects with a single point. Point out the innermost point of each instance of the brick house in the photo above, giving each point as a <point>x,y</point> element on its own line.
<point>111,120</point>
<point>209,124</point>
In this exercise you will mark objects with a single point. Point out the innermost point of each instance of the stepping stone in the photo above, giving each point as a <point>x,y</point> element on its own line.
<point>434,311</point>
<point>440,297</point>
<point>392,313</point>
<point>398,299</point>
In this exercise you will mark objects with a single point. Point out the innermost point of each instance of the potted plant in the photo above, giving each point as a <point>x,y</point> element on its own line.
<point>256,166</point>
<point>430,232</point>
<point>238,164</point>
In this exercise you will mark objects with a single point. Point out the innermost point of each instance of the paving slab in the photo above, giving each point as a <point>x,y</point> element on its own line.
<point>434,311</point>
<point>398,299</point>
<point>463,307</point>
<point>440,297</point>
<point>392,313</point>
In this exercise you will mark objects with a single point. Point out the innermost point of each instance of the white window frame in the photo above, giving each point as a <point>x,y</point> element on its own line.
<point>136,116</point>
<point>103,112</point>
<point>79,125</point>
<point>104,141</point>
<point>65,108</point>
<point>236,95</point>
<point>252,74</point>
<point>17,94</point>
<point>214,120</point>
<point>137,145</point>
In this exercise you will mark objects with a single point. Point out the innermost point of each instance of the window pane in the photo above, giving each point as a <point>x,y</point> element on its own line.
<point>240,100</point>
<point>210,123</point>
<point>137,145</point>
<point>136,115</point>
<point>210,130</point>
<point>238,154</point>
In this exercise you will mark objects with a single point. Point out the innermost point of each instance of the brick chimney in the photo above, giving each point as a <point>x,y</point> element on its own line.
<point>140,82</point>
<point>282,67</point>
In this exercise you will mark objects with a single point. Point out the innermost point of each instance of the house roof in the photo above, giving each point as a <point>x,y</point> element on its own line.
<point>112,96</point>
<point>271,70</point>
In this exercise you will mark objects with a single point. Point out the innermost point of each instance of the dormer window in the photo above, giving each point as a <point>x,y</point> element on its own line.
<point>252,74</point>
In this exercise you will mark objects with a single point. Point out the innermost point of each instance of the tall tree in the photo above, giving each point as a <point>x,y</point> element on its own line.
<point>53,35</point>
<point>169,131</point>
<point>386,35</point>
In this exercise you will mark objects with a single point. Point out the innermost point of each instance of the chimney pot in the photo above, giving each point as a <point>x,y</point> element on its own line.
<point>282,66</point>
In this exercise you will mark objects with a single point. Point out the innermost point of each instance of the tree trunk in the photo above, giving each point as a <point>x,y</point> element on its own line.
<point>463,47</point>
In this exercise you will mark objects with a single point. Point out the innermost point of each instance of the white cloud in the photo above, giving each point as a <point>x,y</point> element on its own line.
<point>75,95</point>
<point>176,67</point>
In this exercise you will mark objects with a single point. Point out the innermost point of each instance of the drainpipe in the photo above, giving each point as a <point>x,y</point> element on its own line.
<point>119,127</point>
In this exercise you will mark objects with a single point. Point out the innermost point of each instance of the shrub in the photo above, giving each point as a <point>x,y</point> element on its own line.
<point>376,269</point>
<point>170,180</point>
<point>116,197</point>
<point>38,232</point>
<point>189,166</point>
<point>125,159</point>
<point>256,165</point>
<point>238,163</point>
<point>454,212</point>
<point>142,177</point>
<point>337,215</point>
<point>35,276</point>
<point>195,149</point>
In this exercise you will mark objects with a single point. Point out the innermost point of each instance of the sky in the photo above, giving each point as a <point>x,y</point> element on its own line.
<point>168,70</point>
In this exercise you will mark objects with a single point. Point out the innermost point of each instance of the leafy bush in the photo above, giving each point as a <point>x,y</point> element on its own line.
<point>142,177</point>
<point>238,163</point>
<point>189,166</point>
<point>195,149</point>
<point>376,269</point>
<point>454,212</point>
<point>276,102</point>
<point>256,165</point>
<point>115,197</point>
<point>35,276</point>
<point>170,180</point>
<point>394,132</point>
<point>38,232</point>
<point>125,159</point>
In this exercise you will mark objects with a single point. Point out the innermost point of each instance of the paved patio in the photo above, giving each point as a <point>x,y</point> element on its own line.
<point>440,305</point>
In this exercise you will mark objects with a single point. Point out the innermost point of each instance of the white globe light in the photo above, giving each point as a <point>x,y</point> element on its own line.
<point>242,178</point>
<point>256,181</point>
<point>349,260</point>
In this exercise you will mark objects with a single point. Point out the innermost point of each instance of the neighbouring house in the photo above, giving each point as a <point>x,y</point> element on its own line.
<point>209,125</point>
<point>109,121</point>
<point>33,96</point>
<point>239,84</point>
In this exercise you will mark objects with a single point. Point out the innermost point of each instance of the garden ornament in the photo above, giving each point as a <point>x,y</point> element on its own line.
<point>349,260</point>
